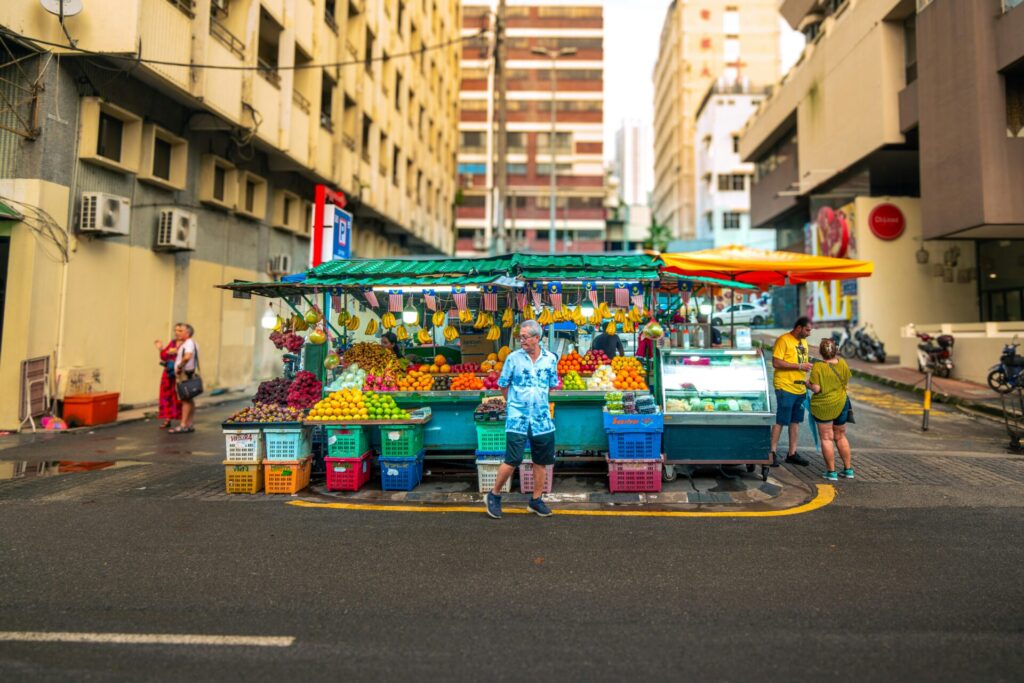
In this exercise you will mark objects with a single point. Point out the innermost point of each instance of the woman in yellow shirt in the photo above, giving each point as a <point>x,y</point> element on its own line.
<point>830,407</point>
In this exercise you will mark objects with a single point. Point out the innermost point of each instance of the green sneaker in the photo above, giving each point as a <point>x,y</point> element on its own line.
<point>830,476</point>
<point>847,473</point>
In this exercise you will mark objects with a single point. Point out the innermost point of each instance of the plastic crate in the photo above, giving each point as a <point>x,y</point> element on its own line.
<point>289,443</point>
<point>402,474</point>
<point>401,441</point>
<point>490,437</point>
<point>243,477</point>
<point>347,442</point>
<point>634,476</point>
<point>637,422</point>
<point>287,477</point>
<point>634,445</point>
<point>487,474</point>
<point>526,477</point>
<point>348,474</point>
<point>243,445</point>
<point>318,440</point>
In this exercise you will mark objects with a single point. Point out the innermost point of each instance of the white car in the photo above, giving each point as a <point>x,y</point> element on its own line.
<point>752,314</point>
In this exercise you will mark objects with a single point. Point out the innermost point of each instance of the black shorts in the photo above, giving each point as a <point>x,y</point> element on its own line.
<point>542,448</point>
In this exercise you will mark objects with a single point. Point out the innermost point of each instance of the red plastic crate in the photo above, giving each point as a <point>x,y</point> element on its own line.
<point>348,474</point>
<point>634,476</point>
<point>526,477</point>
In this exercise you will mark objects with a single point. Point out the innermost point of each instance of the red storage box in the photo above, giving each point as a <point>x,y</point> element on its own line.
<point>348,474</point>
<point>90,409</point>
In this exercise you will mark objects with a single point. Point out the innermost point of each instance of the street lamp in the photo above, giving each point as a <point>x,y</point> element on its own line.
<point>553,55</point>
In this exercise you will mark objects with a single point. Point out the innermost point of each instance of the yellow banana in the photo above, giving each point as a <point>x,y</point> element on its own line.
<point>402,334</point>
<point>465,316</point>
<point>507,318</point>
<point>610,329</point>
<point>619,316</point>
<point>353,323</point>
<point>604,310</point>
<point>343,318</point>
<point>481,320</point>
<point>528,313</point>
<point>493,334</point>
<point>437,318</point>
<point>596,318</point>
<point>628,327</point>
<point>371,327</point>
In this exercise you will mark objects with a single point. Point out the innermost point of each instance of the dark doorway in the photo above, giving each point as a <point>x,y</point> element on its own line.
<point>5,252</point>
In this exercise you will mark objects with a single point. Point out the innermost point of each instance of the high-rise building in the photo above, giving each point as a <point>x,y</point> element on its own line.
<point>576,147</point>
<point>634,165</point>
<point>723,178</point>
<point>134,186</point>
<point>702,41</point>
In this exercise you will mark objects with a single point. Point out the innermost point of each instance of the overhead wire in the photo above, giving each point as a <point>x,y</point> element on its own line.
<point>138,59</point>
<point>42,225</point>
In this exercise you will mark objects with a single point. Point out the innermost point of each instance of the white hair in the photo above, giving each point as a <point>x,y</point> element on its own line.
<point>532,327</point>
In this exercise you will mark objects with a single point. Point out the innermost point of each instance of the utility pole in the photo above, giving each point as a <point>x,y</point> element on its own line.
<point>553,54</point>
<point>500,89</point>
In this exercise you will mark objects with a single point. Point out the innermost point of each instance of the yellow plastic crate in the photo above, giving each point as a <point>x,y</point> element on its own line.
<point>287,476</point>
<point>243,477</point>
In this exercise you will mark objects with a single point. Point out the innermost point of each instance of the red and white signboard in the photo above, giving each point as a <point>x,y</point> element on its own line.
<point>321,244</point>
<point>886,222</point>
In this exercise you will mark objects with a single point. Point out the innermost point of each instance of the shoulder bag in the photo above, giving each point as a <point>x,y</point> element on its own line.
<point>192,386</point>
<point>849,414</point>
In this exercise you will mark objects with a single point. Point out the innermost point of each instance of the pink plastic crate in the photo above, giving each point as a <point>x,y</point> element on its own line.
<point>634,476</point>
<point>526,477</point>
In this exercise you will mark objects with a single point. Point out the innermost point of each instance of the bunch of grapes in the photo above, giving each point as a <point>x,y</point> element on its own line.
<point>287,340</point>
<point>305,390</point>
<point>273,391</point>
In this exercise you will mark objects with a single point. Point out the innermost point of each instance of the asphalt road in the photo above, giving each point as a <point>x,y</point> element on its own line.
<point>913,573</point>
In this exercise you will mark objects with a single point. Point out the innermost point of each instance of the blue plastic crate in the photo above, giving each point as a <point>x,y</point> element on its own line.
<point>634,445</point>
<point>403,474</point>
<point>621,422</point>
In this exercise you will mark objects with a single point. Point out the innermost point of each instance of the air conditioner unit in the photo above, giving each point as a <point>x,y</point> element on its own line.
<point>105,214</point>
<point>176,229</point>
<point>280,264</point>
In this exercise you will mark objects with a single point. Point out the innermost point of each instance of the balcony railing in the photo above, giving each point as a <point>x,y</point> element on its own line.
<point>221,32</point>
<point>348,141</point>
<point>351,49</point>
<point>188,7</point>
<point>269,72</point>
<point>326,123</point>
<point>300,101</point>
<point>383,170</point>
<point>331,22</point>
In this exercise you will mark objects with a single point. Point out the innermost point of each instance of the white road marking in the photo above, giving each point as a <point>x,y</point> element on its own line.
<point>145,638</point>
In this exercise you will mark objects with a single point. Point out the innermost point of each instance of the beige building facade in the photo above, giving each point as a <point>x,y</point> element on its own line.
<point>132,188</point>
<point>702,41</point>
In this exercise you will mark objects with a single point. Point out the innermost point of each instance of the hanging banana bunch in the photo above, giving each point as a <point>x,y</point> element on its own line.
<point>343,318</point>
<point>401,333</point>
<point>507,318</point>
<point>578,318</point>
<point>610,329</point>
<point>465,316</point>
<point>423,337</point>
<point>545,318</point>
<point>494,334</point>
<point>620,316</point>
<point>353,323</point>
<point>596,319</point>
<point>451,333</point>
<point>438,318</point>
<point>604,311</point>
<point>635,315</point>
<point>628,327</point>
<point>528,314</point>
<point>481,320</point>
<point>371,328</point>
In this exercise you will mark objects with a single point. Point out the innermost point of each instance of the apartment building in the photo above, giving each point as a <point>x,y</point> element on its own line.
<point>897,137</point>
<point>134,186</point>
<point>723,178</point>
<point>702,41</point>
<point>574,152</point>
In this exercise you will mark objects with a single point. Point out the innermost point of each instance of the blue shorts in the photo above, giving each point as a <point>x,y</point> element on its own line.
<point>839,421</point>
<point>542,448</point>
<point>790,407</point>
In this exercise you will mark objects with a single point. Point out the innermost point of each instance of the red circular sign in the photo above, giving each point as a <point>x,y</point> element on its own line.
<point>886,222</point>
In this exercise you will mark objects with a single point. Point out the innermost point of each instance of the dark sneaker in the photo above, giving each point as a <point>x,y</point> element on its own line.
<point>775,459</point>
<point>797,459</point>
<point>539,507</point>
<point>493,504</point>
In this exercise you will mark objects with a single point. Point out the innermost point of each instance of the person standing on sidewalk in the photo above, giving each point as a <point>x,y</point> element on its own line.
<point>791,361</point>
<point>184,368</point>
<point>170,404</point>
<point>830,408</point>
<point>525,379</point>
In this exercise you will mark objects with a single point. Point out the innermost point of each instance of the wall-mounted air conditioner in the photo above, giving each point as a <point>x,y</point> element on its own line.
<point>176,230</point>
<point>280,264</point>
<point>105,214</point>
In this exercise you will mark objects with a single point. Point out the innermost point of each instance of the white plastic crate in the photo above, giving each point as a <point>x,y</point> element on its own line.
<point>487,474</point>
<point>243,445</point>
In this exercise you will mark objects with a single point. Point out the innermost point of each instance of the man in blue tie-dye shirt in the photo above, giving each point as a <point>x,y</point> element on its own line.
<point>525,379</point>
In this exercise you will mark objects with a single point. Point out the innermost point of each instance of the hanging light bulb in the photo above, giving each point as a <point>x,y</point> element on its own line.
<point>409,315</point>
<point>587,308</point>
<point>269,319</point>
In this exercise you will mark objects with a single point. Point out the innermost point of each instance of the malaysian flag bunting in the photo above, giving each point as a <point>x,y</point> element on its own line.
<point>555,294</point>
<point>621,295</point>
<point>538,290</point>
<point>459,294</point>
<point>590,287</point>
<point>430,299</point>
<point>395,300</point>
<point>490,298</point>
<point>636,293</point>
<point>684,291</point>
<point>370,297</point>
<point>521,300</point>
<point>336,301</point>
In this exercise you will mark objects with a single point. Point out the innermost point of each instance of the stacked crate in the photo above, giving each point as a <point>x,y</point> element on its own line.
<point>243,455</point>
<point>634,452</point>
<point>288,461</point>
<point>401,457</point>
<point>347,458</point>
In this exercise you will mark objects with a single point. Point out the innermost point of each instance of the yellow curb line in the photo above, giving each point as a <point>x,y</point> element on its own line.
<point>826,494</point>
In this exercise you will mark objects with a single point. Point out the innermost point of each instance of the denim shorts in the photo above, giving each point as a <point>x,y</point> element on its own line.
<point>542,448</point>
<point>790,408</point>
<point>839,421</point>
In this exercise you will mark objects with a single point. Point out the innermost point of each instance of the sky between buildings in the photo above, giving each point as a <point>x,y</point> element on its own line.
<point>631,35</point>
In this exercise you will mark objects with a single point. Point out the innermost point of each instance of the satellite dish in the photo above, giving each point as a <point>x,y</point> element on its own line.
<point>70,7</point>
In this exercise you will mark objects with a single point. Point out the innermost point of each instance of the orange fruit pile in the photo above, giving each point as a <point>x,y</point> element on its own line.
<point>416,380</point>
<point>569,363</point>
<point>467,382</point>
<point>620,363</point>
<point>630,379</point>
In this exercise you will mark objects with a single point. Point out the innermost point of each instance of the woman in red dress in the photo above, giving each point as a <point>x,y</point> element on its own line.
<point>170,404</point>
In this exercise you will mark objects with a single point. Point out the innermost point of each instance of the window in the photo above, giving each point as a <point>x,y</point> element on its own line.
<point>108,142</point>
<point>219,180</point>
<point>560,169</point>
<point>474,201</point>
<point>164,158</point>
<point>735,144</point>
<point>250,195</point>
<point>735,182</point>
<point>268,48</point>
<point>218,184</point>
<point>287,211</point>
<point>471,139</point>
<point>398,91</point>
<point>563,141</point>
<point>910,48</point>
<point>254,196</point>
<point>1014,105</point>
<point>731,220</point>
<point>327,86</point>
<point>365,149</point>
<point>516,169</point>
<point>731,21</point>
<point>110,136</point>
<point>368,52</point>
<point>329,16</point>
<point>396,160</point>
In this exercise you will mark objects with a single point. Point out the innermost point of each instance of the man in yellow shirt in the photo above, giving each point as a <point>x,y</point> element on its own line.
<point>791,361</point>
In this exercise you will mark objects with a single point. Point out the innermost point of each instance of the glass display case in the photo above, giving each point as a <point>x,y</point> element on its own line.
<point>714,381</point>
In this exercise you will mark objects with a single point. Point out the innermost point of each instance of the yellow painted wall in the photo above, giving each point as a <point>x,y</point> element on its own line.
<point>103,25</point>
<point>900,288</point>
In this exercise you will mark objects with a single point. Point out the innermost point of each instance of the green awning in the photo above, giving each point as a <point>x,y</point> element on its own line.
<point>9,213</point>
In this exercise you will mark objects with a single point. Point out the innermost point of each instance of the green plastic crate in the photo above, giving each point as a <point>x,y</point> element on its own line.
<point>490,437</point>
<point>401,441</point>
<point>347,442</point>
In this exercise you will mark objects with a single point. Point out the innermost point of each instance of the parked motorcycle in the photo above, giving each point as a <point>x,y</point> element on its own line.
<point>1009,374</point>
<point>868,346</point>
<point>844,342</point>
<point>935,353</point>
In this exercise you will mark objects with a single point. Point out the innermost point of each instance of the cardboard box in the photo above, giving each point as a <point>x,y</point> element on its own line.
<point>476,347</point>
